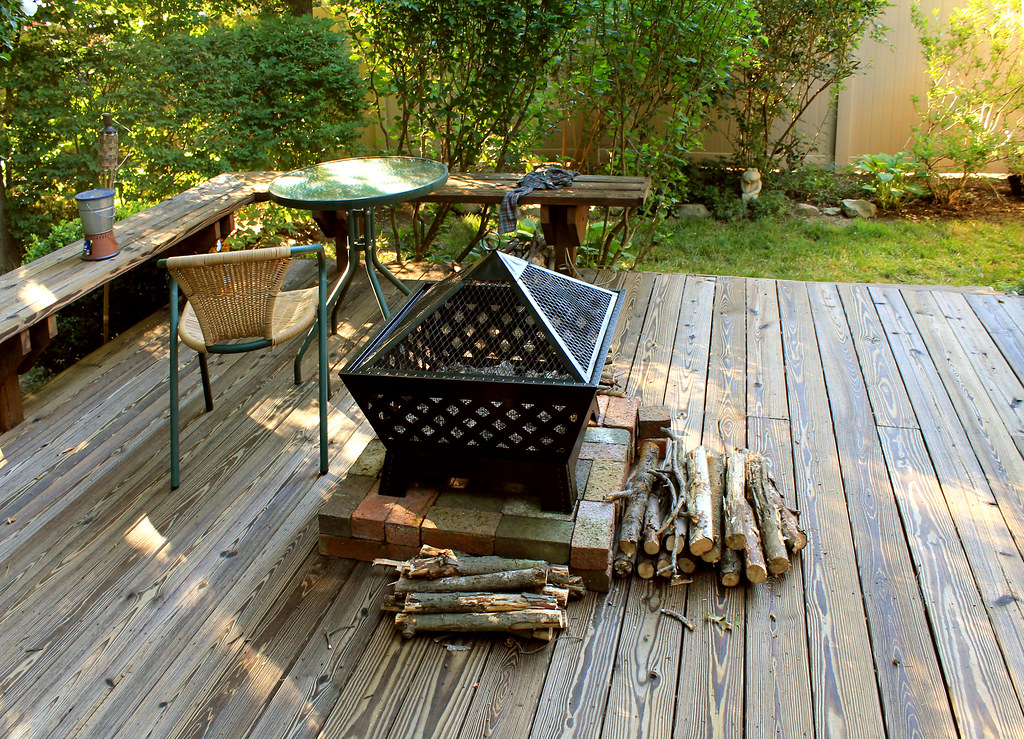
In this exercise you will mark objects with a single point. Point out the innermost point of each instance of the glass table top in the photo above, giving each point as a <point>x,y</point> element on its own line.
<point>350,184</point>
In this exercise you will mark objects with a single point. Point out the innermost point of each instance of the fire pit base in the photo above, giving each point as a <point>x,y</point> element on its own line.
<point>553,482</point>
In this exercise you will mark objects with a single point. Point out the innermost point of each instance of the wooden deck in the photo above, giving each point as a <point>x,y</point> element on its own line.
<point>895,415</point>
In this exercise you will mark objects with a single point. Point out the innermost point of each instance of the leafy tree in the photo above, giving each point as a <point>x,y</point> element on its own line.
<point>975,101</point>
<point>462,74</point>
<point>198,90</point>
<point>642,78</point>
<point>803,49</point>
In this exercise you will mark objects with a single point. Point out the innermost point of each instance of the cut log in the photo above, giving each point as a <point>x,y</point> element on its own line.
<point>559,575</point>
<point>622,565</point>
<point>411,623</point>
<point>449,564</point>
<point>495,581</point>
<point>636,504</point>
<point>657,509</point>
<point>795,537</point>
<point>698,500</point>
<point>560,594</point>
<point>730,568</point>
<point>645,566</point>
<point>716,478</point>
<point>392,604</point>
<point>686,563</point>
<point>776,556</point>
<point>477,602</point>
<point>665,566</point>
<point>739,516</point>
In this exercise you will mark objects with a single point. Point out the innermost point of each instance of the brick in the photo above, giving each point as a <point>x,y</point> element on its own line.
<point>530,507</point>
<point>368,519</point>
<point>471,501</point>
<point>662,445</point>
<point>653,421</point>
<point>370,460</point>
<point>397,551</point>
<point>402,527</point>
<point>606,477</point>
<point>582,475</point>
<point>593,536</point>
<point>534,538</point>
<point>598,581</point>
<point>361,549</point>
<point>613,452</point>
<point>603,435</point>
<point>336,515</point>
<point>459,528</point>
<point>621,414</point>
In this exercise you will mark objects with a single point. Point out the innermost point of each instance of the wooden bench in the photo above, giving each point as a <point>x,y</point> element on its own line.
<point>563,212</point>
<point>31,295</point>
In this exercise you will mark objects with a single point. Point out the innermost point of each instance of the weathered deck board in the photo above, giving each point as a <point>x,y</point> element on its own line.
<point>846,700</point>
<point>889,413</point>
<point>643,688</point>
<point>710,696</point>
<point>913,695</point>
<point>778,689</point>
<point>995,563</point>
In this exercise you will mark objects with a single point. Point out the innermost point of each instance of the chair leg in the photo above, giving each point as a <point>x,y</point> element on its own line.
<point>323,375</point>
<point>204,372</point>
<point>173,387</point>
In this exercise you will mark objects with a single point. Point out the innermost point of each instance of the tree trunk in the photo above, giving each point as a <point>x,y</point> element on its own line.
<point>8,258</point>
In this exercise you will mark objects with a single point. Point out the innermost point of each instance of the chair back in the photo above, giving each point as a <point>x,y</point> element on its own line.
<point>232,293</point>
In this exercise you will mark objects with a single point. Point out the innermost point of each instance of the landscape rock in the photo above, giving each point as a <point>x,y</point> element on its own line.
<point>805,210</point>
<point>859,209</point>
<point>831,211</point>
<point>691,210</point>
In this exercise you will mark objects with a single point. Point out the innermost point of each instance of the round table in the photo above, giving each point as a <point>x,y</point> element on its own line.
<point>350,189</point>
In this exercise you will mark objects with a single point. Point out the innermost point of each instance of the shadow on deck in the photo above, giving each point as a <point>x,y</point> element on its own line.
<point>895,415</point>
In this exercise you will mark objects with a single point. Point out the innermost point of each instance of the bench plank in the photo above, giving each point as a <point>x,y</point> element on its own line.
<point>597,190</point>
<point>42,287</point>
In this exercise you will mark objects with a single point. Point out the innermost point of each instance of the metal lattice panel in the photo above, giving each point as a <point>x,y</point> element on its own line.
<point>517,428</point>
<point>576,311</point>
<point>482,330</point>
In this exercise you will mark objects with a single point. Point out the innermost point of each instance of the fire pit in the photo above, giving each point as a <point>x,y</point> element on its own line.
<point>491,373</point>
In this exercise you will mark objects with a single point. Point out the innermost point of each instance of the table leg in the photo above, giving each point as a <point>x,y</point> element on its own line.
<point>565,228</point>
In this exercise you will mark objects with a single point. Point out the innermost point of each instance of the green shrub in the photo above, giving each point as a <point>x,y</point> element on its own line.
<point>801,50</point>
<point>891,177</point>
<point>464,76</point>
<point>194,97</point>
<point>975,98</point>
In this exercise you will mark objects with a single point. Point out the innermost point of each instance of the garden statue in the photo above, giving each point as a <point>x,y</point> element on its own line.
<point>751,184</point>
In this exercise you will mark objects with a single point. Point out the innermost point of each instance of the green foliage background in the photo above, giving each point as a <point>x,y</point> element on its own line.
<point>198,87</point>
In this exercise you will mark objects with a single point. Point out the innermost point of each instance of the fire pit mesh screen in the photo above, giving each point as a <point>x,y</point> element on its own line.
<point>483,330</point>
<point>502,318</point>
<point>574,310</point>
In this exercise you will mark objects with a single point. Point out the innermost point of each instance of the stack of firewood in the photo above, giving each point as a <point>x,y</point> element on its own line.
<point>442,590</point>
<point>700,507</point>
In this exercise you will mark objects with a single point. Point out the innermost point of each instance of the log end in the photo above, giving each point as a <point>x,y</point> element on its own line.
<point>756,573</point>
<point>778,565</point>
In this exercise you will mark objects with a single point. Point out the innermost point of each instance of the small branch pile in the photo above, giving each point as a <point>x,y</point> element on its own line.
<point>444,591</point>
<point>704,507</point>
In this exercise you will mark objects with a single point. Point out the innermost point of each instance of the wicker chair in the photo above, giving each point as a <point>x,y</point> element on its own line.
<point>235,304</point>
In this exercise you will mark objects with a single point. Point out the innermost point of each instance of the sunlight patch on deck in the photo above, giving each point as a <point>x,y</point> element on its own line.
<point>145,538</point>
<point>36,296</point>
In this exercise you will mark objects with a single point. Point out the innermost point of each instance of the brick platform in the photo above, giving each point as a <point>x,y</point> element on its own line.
<point>359,523</point>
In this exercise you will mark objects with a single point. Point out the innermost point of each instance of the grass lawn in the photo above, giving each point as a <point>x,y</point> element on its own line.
<point>953,252</point>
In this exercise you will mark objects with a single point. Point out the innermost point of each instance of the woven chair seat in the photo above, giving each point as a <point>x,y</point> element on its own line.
<point>294,312</point>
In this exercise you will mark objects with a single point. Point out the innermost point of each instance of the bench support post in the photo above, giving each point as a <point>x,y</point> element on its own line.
<point>17,355</point>
<point>565,228</point>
